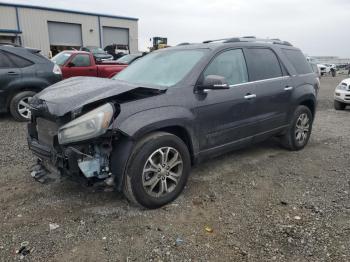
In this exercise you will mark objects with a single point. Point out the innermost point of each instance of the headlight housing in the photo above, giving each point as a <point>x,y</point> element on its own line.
<point>89,125</point>
<point>341,86</point>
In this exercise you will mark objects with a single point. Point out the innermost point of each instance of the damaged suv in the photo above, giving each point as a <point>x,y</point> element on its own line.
<point>143,130</point>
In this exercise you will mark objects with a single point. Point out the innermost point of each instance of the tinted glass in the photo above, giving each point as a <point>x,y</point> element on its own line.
<point>18,61</point>
<point>262,64</point>
<point>4,61</point>
<point>231,65</point>
<point>298,61</point>
<point>81,60</point>
<point>61,58</point>
<point>163,68</point>
<point>127,59</point>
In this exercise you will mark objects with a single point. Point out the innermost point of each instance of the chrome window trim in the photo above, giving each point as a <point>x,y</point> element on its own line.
<point>259,81</point>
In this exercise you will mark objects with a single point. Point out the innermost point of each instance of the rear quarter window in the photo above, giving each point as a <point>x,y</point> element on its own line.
<point>18,61</point>
<point>298,60</point>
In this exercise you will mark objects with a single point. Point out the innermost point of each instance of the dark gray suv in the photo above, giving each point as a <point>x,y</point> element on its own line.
<point>23,72</point>
<point>143,130</point>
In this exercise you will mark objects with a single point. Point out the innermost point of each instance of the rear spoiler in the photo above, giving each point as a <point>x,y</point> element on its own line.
<point>33,50</point>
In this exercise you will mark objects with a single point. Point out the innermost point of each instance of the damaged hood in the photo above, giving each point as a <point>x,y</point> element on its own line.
<point>73,93</point>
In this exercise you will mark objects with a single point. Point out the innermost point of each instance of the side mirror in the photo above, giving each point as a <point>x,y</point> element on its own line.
<point>70,64</point>
<point>213,82</point>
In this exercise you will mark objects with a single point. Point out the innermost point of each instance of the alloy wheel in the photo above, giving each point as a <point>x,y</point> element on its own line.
<point>302,128</point>
<point>23,107</point>
<point>162,172</point>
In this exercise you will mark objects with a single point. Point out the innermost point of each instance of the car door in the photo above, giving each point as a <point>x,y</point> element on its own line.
<point>272,88</point>
<point>80,65</point>
<point>224,116</point>
<point>9,73</point>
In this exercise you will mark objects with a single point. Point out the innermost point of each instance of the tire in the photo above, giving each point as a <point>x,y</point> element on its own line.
<point>138,184</point>
<point>291,139</point>
<point>17,105</point>
<point>339,105</point>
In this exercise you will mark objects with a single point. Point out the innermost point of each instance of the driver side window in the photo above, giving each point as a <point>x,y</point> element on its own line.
<point>81,60</point>
<point>231,65</point>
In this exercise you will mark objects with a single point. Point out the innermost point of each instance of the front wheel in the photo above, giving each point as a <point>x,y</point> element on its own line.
<point>299,131</point>
<point>157,170</point>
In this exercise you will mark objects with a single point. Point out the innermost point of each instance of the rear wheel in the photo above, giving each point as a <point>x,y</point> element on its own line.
<point>339,105</point>
<point>299,131</point>
<point>157,170</point>
<point>19,107</point>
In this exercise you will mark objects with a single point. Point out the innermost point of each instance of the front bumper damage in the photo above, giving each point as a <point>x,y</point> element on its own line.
<point>87,162</point>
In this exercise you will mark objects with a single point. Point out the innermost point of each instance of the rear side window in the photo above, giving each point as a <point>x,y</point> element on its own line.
<point>18,61</point>
<point>298,61</point>
<point>8,60</point>
<point>81,60</point>
<point>5,61</point>
<point>262,64</point>
<point>231,65</point>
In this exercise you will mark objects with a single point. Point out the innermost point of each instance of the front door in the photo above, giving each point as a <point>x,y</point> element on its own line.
<point>224,116</point>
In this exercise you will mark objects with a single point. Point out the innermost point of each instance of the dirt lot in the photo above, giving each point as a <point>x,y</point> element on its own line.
<point>263,203</point>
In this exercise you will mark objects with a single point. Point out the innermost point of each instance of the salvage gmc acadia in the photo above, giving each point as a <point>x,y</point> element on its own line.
<point>143,130</point>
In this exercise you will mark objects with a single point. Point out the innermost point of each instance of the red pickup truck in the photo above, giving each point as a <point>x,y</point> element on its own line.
<point>80,63</point>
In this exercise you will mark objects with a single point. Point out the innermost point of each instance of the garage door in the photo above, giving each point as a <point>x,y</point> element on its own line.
<point>113,35</point>
<point>64,34</point>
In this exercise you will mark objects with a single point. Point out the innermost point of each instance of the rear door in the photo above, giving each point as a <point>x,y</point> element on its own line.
<point>272,88</point>
<point>9,73</point>
<point>80,65</point>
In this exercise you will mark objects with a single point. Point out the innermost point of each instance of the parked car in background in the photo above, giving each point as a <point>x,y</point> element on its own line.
<point>128,59</point>
<point>23,73</point>
<point>141,131</point>
<point>326,69</point>
<point>342,95</point>
<point>98,53</point>
<point>81,63</point>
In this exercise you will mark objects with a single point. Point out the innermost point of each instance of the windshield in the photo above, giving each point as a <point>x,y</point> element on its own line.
<point>165,68</point>
<point>61,58</point>
<point>126,59</point>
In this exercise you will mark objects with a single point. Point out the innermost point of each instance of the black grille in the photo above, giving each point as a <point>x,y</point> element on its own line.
<point>47,130</point>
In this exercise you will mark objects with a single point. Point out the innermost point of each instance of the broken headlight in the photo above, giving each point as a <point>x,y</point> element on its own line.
<point>89,125</point>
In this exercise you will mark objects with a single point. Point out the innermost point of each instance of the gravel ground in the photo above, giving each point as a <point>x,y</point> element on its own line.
<point>262,203</point>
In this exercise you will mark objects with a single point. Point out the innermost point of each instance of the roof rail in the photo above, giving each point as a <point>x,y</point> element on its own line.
<point>249,39</point>
<point>186,43</point>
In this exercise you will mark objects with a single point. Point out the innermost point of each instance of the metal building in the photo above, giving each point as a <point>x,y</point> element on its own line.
<point>49,28</point>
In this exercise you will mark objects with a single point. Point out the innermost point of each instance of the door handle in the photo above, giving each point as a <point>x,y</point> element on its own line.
<point>12,73</point>
<point>249,96</point>
<point>288,88</point>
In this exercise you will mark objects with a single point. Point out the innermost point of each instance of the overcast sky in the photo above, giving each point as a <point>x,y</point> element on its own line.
<point>318,27</point>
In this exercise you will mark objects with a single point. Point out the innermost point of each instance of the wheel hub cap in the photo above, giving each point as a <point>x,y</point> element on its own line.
<point>162,171</point>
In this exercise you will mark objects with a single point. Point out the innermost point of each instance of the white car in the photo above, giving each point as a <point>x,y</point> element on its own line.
<point>342,95</point>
